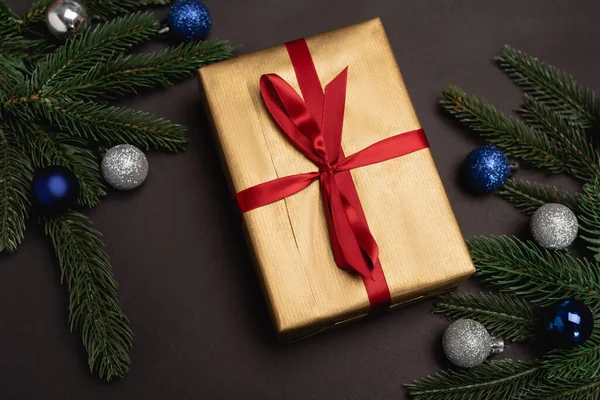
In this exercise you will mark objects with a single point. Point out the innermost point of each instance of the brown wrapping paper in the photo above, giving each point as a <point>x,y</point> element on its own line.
<point>422,251</point>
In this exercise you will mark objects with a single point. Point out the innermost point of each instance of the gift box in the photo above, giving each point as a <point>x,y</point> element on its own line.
<point>344,210</point>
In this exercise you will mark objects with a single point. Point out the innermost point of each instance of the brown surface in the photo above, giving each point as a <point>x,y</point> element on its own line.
<point>186,279</point>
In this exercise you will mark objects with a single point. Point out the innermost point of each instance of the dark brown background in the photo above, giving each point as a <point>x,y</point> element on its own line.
<point>186,281</point>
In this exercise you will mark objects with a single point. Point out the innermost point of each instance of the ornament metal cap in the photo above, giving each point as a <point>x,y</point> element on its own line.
<point>496,345</point>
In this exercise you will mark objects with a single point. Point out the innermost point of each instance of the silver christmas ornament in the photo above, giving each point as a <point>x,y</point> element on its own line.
<point>554,226</point>
<point>467,343</point>
<point>124,167</point>
<point>65,17</point>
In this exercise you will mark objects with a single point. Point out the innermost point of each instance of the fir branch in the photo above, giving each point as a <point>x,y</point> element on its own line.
<point>529,196</point>
<point>589,216</point>
<point>59,149</point>
<point>36,13</point>
<point>127,73</point>
<point>105,9</point>
<point>502,379</point>
<point>12,72</point>
<point>513,136</point>
<point>584,159</point>
<point>87,49</point>
<point>563,389</point>
<point>552,87</point>
<point>540,275</point>
<point>93,304</point>
<point>16,45</point>
<point>504,316</point>
<point>9,21</point>
<point>582,361</point>
<point>16,175</point>
<point>105,124</point>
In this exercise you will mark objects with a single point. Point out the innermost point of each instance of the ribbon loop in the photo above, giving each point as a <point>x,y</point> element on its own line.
<point>314,126</point>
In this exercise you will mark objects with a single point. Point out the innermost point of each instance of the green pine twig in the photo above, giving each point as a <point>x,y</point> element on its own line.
<point>128,73</point>
<point>529,196</point>
<point>505,316</point>
<point>93,305</point>
<point>563,389</point>
<point>513,136</point>
<point>540,275</point>
<point>584,159</point>
<point>106,9</point>
<point>88,48</point>
<point>16,175</point>
<point>503,379</point>
<point>552,87</point>
<point>36,13</point>
<point>589,216</point>
<point>582,361</point>
<point>107,124</point>
<point>12,72</point>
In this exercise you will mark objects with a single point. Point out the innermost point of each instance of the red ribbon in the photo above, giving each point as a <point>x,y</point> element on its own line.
<point>314,127</point>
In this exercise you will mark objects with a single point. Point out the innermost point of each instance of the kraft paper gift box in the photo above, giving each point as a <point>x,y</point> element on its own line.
<point>421,249</point>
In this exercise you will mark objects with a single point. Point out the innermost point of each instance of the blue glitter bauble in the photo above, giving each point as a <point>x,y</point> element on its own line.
<point>55,189</point>
<point>567,323</point>
<point>189,20</point>
<point>485,169</point>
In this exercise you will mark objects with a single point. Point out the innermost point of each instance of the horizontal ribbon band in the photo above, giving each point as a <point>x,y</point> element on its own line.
<point>313,124</point>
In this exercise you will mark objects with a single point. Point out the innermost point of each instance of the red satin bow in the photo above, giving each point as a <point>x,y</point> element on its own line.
<point>314,127</point>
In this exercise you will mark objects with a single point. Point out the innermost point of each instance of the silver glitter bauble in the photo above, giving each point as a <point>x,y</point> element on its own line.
<point>65,17</point>
<point>554,226</point>
<point>467,343</point>
<point>125,167</point>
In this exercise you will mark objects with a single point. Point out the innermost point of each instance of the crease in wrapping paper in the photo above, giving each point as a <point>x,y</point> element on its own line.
<point>421,248</point>
<point>257,109</point>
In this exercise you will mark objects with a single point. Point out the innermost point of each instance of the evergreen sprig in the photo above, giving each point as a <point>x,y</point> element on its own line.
<point>554,134</point>
<point>551,87</point>
<point>15,183</point>
<point>93,305</point>
<point>106,9</point>
<point>589,216</point>
<point>562,389</point>
<point>513,136</point>
<point>505,316</point>
<point>92,46</point>
<point>491,380</point>
<point>542,276</point>
<point>129,73</point>
<point>583,158</point>
<point>529,196</point>
<point>580,362</point>
<point>54,108</point>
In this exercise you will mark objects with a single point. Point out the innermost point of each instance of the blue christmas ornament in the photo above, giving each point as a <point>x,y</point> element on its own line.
<point>189,20</point>
<point>485,169</point>
<point>55,189</point>
<point>567,323</point>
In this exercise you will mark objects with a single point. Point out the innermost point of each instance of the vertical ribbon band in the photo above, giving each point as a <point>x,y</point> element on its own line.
<point>313,124</point>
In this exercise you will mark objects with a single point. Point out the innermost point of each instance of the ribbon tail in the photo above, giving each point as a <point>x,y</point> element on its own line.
<point>392,147</point>
<point>274,190</point>
<point>348,251</point>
